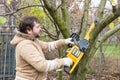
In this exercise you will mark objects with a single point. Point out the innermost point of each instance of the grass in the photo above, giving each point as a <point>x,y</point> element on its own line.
<point>110,50</point>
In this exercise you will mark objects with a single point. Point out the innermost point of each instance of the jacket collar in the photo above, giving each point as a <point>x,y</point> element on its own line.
<point>26,36</point>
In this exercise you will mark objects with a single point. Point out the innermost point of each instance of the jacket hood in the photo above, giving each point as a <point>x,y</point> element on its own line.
<point>20,37</point>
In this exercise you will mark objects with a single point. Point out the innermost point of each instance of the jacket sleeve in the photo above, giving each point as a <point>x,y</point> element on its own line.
<point>49,46</point>
<point>31,55</point>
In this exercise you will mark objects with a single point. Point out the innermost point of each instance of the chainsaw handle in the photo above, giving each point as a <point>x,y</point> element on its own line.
<point>66,69</point>
<point>75,38</point>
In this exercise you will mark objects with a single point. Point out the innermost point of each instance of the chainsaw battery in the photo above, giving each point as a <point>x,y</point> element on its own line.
<point>74,53</point>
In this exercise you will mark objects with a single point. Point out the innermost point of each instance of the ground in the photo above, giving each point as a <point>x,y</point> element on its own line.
<point>109,70</point>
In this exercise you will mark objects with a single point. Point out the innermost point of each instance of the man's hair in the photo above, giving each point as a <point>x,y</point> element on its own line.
<point>27,23</point>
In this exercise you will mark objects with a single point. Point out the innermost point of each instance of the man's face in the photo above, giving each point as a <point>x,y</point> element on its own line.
<point>36,29</point>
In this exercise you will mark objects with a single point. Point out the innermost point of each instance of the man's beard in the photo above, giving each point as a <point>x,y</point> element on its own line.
<point>37,36</point>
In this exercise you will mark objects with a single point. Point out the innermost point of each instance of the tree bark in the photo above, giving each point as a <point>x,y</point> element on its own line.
<point>85,18</point>
<point>62,20</point>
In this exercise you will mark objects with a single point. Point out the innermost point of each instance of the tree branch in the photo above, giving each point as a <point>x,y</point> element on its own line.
<point>99,27</point>
<point>65,14</point>
<point>85,18</point>
<point>101,8</point>
<point>58,19</point>
<point>49,6</point>
<point>51,19</point>
<point>104,22</point>
<point>12,12</point>
<point>102,39</point>
<point>15,15</point>
<point>107,35</point>
<point>54,37</point>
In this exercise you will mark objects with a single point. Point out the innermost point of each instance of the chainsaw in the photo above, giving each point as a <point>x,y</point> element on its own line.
<point>76,52</point>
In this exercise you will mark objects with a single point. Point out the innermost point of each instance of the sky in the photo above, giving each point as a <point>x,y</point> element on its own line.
<point>94,3</point>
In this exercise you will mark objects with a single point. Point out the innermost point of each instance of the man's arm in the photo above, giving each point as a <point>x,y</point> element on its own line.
<point>49,46</point>
<point>31,55</point>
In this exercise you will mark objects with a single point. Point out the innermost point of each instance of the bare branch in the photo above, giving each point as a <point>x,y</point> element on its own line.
<point>54,37</point>
<point>108,34</point>
<point>12,12</point>
<point>101,8</point>
<point>51,19</point>
<point>59,6</point>
<point>15,15</point>
<point>85,18</point>
<point>104,22</point>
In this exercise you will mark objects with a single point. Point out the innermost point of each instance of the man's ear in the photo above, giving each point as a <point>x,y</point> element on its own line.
<point>28,30</point>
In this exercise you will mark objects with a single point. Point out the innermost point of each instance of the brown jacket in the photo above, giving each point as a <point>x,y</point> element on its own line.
<point>30,60</point>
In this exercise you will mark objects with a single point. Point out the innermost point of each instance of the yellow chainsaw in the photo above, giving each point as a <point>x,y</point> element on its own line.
<point>76,52</point>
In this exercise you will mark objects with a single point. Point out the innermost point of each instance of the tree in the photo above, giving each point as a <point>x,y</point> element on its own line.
<point>95,42</point>
<point>58,13</point>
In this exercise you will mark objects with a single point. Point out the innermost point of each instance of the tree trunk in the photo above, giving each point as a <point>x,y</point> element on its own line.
<point>61,20</point>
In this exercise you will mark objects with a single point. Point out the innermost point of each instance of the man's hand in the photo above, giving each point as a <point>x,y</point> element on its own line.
<point>67,62</point>
<point>69,41</point>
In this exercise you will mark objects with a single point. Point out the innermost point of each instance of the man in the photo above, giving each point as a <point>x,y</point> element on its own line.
<point>30,60</point>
